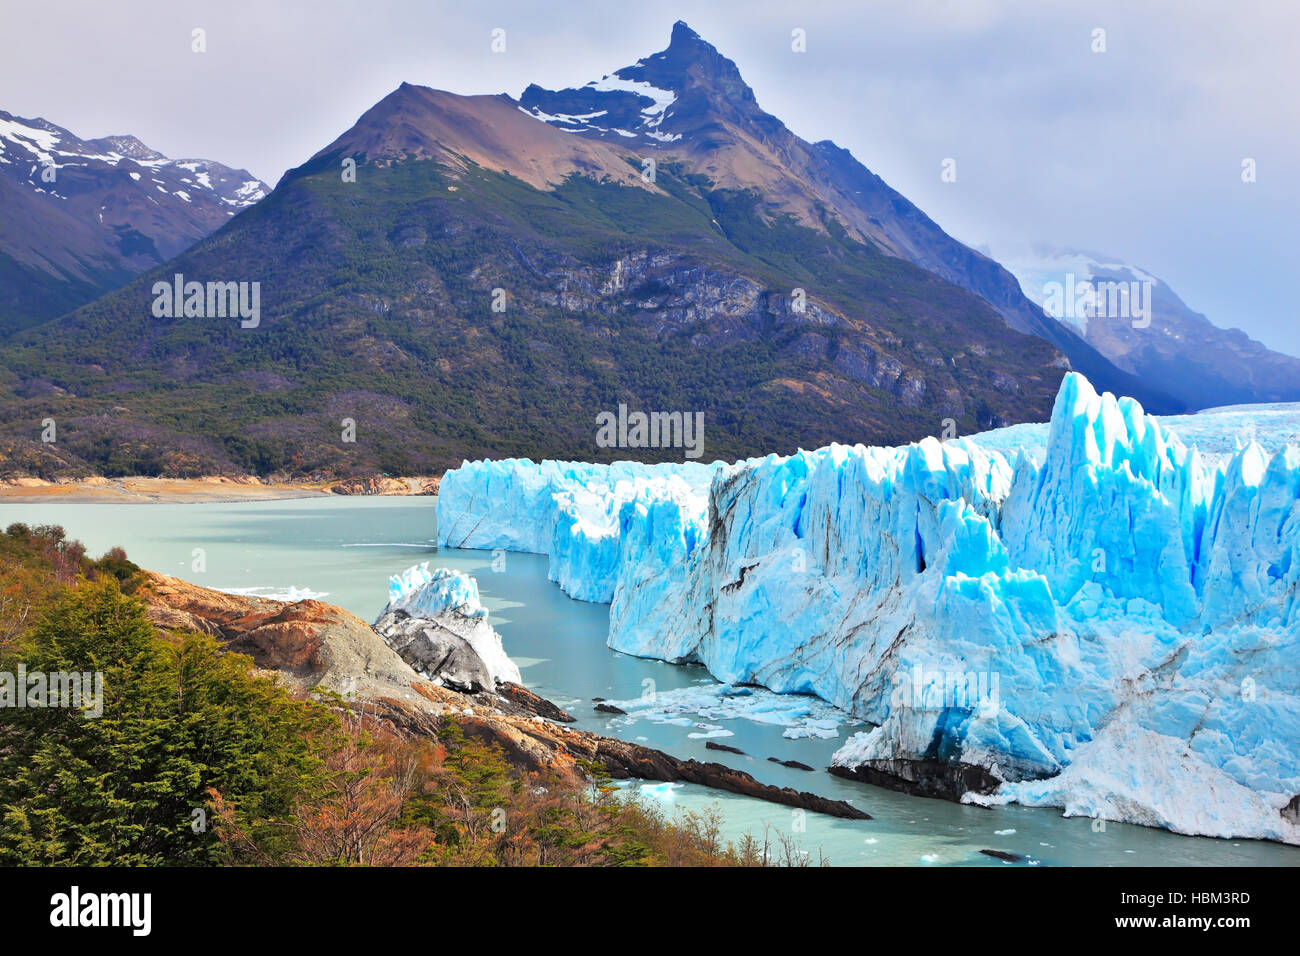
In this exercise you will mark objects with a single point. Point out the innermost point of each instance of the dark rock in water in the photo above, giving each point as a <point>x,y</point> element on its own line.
<point>610,709</point>
<point>710,745</point>
<point>922,778</point>
<point>1005,856</point>
<point>435,651</point>
<point>529,703</point>
<point>623,760</point>
<point>1291,812</point>
<point>792,764</point>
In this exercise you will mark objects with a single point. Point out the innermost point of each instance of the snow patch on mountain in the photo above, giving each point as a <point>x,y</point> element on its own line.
<point>1041,269</point>
<point>612,93</point>
<point>662,98</point>
<point>39,144</point>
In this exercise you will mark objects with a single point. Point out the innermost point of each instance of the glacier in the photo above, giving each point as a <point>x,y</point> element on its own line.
<point>570,511</point>
<point>1086,614</point>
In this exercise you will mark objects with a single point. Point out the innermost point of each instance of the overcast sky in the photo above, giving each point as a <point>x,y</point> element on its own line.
<point>1134,153</point>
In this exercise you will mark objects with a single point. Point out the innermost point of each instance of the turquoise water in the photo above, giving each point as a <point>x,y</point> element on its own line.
<point>344,549</point>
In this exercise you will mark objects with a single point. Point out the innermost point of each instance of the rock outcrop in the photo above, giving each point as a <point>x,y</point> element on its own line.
<point>313,644</point>
<point>384,485</point>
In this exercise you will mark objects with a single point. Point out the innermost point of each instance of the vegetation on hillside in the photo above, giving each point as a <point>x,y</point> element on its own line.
<point>376,301</point>
<point>200,759</point>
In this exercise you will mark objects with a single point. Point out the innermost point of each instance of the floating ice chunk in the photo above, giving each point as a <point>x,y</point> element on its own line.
<point>802,716</point>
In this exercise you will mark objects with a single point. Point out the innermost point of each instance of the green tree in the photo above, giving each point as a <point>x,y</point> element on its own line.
<point>179,719</point>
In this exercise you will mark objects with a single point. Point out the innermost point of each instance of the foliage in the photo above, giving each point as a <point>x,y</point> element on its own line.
<point>179,717</point>
<point>376,305</point>
<point>39,564</point>
<point>197,758</point>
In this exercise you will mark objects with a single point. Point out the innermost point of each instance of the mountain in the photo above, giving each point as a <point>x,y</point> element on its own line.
<point>417,123</point>
<point>455,278</point>
<point>1176,349</point>
<point>79,217</point>
<point>688,104</point>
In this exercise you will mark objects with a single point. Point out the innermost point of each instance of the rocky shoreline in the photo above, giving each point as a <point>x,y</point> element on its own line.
<point>314,645</point>
<point>922,778</point>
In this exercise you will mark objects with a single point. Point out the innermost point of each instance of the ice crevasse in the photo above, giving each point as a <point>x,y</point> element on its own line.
<point>1105,622</point>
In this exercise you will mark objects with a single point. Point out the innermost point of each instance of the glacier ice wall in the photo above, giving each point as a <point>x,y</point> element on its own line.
<point>1105,622</point>
<point>570,511</point>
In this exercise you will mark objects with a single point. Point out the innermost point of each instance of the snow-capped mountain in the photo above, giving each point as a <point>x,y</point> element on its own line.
<point>494,279</point>
<point>79,216</point>
<point>689,105</point>
<point>633,103</point>
<point>1138,322</point>
<point>30,146</point>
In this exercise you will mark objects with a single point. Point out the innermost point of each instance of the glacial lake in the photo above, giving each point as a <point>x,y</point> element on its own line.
<point>344,549</point>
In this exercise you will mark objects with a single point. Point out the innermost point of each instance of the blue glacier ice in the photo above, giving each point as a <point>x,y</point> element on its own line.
<point>424,593</point>
<point>1090,613</point>
<point>568,510</point>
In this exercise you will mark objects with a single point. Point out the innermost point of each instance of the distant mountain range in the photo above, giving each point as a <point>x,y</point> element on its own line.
<point>79,217</point>
<point>1177,350</point>
<point>460,276</point>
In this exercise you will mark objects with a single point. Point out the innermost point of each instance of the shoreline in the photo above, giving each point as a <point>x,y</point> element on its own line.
<point>215,489</point>
<point>314,644</point>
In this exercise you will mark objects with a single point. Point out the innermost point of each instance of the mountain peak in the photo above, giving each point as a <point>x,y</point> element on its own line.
<point>660,98</point>
<point>485,130</point>
<point>128,146</point>
<point>213,192</point>
<point>683,34</point>
<point>690,60</point>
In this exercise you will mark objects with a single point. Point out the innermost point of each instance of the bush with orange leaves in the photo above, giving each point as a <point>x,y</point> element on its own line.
<point>456,801</point>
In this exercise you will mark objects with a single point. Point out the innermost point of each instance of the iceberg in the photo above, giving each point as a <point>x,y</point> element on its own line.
<point>1087,613</point>
<point>436,623</point>
<point>424,593</point>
